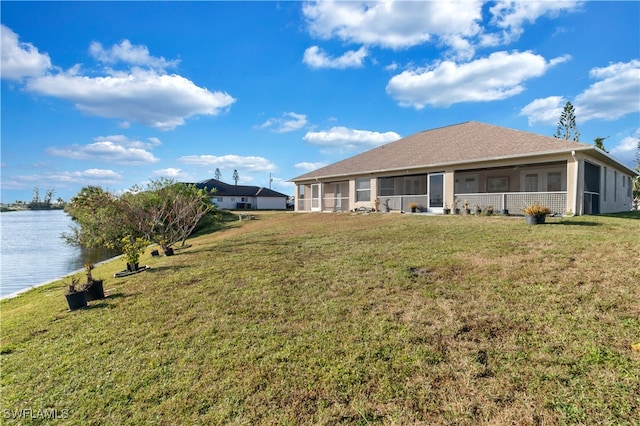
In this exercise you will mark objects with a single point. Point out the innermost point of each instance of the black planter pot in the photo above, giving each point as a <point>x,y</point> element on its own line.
<point>168,251</point>
<point>446,211</point>
<point>467,211</point>
<point>76,300</point>
<point>132,267</point>
<point>532,219</point>
<point>95,291</point>
<point>456,211</point>
<point>505,212</point>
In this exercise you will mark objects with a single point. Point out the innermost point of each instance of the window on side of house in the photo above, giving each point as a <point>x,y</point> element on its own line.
<point>554,181</point>
<point>387,186</point>
<point>531,183</point>
<point>363,189</point>
<point>301,191</point>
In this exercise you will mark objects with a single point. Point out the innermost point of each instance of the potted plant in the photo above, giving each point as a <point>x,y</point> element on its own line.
<point>536,213</point>
<point>76,296</point>
<point>376,204</point>
<point>478,209</point>
<point>466,208</point>
<point>94,288</point>
<point>446,209</point>
<point>166,247</point>
<point>132,248</point>
<point>456,210</point>
<point>413,207</point>
<point>488,210</point>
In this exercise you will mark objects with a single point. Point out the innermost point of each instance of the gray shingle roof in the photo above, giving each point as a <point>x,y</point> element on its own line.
<point>225,189</point>
<point>460,143</point>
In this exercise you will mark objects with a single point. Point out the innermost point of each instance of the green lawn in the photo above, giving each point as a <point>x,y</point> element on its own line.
<point>345,319</point>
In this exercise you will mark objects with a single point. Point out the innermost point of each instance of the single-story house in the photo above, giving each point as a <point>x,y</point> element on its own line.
<point>243,197</point>
<point>476,163</point>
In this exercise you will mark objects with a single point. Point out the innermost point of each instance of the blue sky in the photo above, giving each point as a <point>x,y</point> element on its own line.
<point>116,94</point>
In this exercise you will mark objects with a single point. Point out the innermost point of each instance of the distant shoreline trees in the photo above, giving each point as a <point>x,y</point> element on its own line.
<point>38,203</point>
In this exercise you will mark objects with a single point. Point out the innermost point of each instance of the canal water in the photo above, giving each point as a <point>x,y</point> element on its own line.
<point>32,251</point>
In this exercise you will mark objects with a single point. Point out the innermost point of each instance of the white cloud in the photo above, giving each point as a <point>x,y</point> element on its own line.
<point>614,95</point>
<point>626,150</point>
<point>147,96</point>
<point>512,15</point>
<point>19,59</point>
<point>137,55</point>
<point>457,25</point>
<point>114,149</point>
<point>175,174</point>
<point>289,122</point>
<point>160,101</point>
<point>315,57</point>
<point>309,167</point>
<point>392,24</point>
<point>345,139</point>
<point>229,162</point>
<point>64,179</point>
<point>544,110</point>
<point>498,76</point>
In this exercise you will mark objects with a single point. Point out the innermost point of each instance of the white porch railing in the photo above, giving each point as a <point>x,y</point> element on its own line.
<point>401,202</point>
<point>516,201</point>
<point>335,204</point>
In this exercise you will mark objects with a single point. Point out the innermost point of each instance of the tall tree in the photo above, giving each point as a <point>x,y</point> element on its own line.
<point>567,128</point>
<point>217,175</point>
<point>599,143</point>
<point>236,176</point>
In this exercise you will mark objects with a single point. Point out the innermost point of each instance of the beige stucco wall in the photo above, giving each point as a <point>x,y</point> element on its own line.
<point>573,167</point>
<point>614,183</point>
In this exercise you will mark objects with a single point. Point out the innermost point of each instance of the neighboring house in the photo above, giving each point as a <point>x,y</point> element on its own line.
<point>242,197</point>
<point>474,162</point>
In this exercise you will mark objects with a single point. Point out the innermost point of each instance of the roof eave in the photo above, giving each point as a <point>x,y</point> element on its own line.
<point>443,164</point>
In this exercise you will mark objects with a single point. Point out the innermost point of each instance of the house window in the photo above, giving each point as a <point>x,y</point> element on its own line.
<point>301,191</point>
<point>498,184</point>
<point>244,200</point>
<point>363,189</point>
<point>219,199</point>
<point>470,185</point>
<point>629,186</point>
<point>387,186</point>
<point>531,183</point>
<point>554,181</point>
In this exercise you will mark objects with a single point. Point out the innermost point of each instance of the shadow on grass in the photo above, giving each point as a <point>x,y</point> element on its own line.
<point>575,223</point>
<point>157,269</point>
<point>624,215</point>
